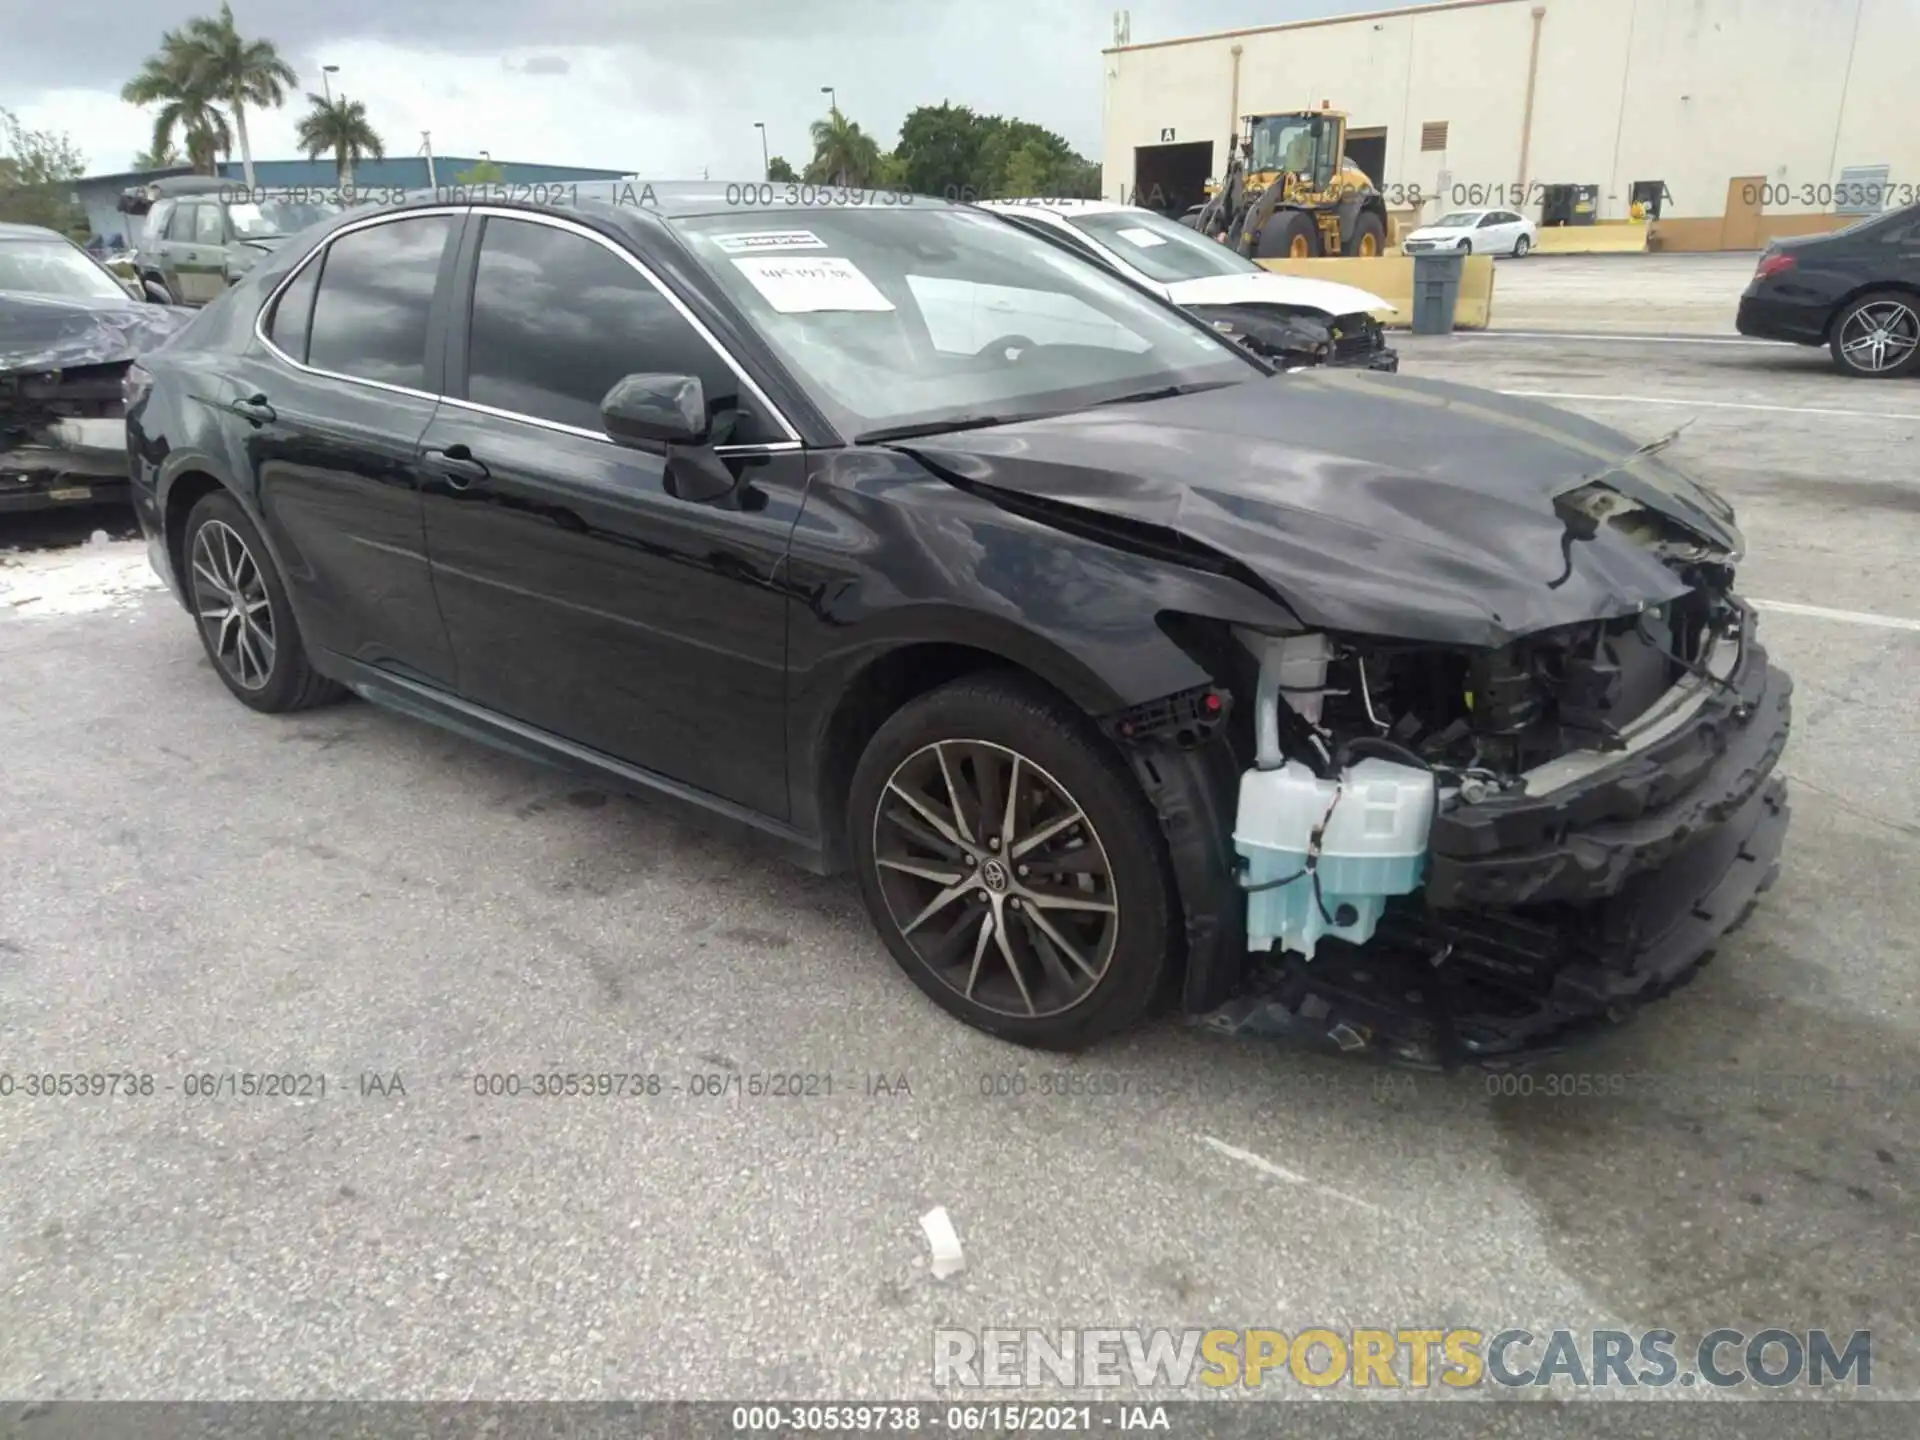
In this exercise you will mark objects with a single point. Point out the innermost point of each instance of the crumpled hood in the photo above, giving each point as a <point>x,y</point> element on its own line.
<point>1271,288</point>
<point>46,332</point>
<point>1373,504</point>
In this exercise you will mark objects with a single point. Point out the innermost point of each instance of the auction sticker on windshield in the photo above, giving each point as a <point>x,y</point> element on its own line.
<point>1143,238</point>
<point>829,283</point>
<point>751,240</point>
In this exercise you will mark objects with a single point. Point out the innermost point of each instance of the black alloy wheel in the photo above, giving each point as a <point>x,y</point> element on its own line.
<point>1011,864</point>
<point>240,606</point>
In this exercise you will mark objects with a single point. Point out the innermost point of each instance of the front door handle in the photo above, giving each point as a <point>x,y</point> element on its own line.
<point>456,462</point>
<point>254,410</point>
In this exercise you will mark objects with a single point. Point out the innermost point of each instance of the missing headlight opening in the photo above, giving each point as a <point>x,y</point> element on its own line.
<point>1449,854</point>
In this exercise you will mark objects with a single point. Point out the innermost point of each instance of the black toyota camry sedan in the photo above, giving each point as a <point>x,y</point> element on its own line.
<point>1120,669</point>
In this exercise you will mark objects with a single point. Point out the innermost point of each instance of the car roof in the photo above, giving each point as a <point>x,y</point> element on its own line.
<point>1064,207</point>
<point>10,231</point>
<point>169,186</point>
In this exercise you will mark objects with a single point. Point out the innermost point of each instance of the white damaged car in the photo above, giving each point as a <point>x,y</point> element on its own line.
<point>1287,318</point>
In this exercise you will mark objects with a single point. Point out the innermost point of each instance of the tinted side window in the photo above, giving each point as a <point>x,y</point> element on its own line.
<point>181,226</point>
<point>370,315</point>
<point>287,326</point>
<point>558,318</point>
<point>210,225</point>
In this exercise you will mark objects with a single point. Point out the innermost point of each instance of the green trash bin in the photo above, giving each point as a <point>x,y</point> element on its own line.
<point>1436,290</point>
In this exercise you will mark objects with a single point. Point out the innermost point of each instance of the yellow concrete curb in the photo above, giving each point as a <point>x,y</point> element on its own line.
<point>1391,278</point>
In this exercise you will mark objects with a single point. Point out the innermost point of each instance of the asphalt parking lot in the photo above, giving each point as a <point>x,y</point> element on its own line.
<point>188,888</point>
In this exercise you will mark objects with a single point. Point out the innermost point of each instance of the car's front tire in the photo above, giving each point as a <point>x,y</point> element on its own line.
<point>1877,337</point>
<point>1012,865</point>
<point>239,604</point>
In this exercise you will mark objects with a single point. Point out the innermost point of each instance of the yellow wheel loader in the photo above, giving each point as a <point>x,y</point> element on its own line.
<point>1289,190</point>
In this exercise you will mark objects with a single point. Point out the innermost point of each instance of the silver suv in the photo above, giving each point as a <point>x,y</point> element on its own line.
<point>202,234</point>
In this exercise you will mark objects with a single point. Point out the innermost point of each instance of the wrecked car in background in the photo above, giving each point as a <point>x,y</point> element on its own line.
<point>1290,319</point>
<point>1117,664</point>
<point>69,328</point>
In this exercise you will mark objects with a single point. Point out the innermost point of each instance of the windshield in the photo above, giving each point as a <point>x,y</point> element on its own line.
<point>1162,249</point>
<point>924,315</point>
<point>1459,220</point>
<point>1283,144</point>
<point>276,217</point>
<point>53,267</point>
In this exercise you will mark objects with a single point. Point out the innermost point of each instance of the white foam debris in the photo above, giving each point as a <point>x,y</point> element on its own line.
<point>103,574</point>
<point>947,1259</point>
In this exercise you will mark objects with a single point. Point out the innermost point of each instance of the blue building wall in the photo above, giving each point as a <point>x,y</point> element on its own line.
<point>100,195</point>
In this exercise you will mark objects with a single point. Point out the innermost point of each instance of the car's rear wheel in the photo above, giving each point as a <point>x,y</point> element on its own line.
<point>1521,247</point>
<point>1012,865</point>
<point>239,603</point>
<point>1877,337</point>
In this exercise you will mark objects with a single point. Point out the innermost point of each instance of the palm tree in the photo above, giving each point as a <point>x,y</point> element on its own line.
<point>165,159</point>
<point>239,71</point>
<point>842,152</point>
<point>171,77</point>
<point>340,126</point>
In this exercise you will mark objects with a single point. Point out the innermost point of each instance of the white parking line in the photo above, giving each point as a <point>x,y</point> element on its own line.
<point>1280,1172</point>
<point>1706,404</point>
<point>1845,617</point>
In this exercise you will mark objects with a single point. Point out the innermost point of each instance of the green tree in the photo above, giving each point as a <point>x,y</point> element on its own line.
<point>779,169</point>
<point>483,173</point>
<point>339,126</point>
<point>172,78</point>
<point>37,171</point>
<point>843,153</point>
<point>238,71</point>
<point>949,150</point>
<point>166,159</point>
<point>939,149</point>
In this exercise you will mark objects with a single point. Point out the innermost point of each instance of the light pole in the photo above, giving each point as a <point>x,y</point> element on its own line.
<point>326,88</point>
<point>765,164</point>
<point>833,100</point>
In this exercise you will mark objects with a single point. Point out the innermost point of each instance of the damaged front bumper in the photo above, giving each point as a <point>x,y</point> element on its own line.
<point>1603,882</point>
<point>63,462</point>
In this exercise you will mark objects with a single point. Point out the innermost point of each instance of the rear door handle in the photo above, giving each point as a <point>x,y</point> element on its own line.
<point>255,410</point>
<point>456,462</point>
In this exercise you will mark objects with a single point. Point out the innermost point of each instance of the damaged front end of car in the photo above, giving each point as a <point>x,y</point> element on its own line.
<point>1453,856</point>
<point>1505,773</point>
<point>64,369</point>
<point>1295,338</point>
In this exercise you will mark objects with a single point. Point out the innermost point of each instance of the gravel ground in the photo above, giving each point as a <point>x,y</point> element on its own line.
<point>189,888</point>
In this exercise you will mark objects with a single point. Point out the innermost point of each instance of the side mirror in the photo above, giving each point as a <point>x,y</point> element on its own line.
<point>656,409</point>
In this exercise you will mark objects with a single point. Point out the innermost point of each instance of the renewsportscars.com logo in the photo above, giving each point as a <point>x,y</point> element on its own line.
<point>1393,1358</point>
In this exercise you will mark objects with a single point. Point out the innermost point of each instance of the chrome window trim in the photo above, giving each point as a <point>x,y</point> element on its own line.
<point>792,442</point>
<point>769,447</point>
<point>260,317</point>
<point>699,327</point>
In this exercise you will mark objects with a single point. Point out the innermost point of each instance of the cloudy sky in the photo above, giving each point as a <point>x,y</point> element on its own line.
<point>661,88</point>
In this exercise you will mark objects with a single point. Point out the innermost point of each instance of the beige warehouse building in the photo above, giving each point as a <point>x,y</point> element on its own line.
<point>1748,118</point>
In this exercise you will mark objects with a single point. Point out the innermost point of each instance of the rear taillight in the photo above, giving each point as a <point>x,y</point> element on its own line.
<point>135,384</point>
<point>1775,264</point>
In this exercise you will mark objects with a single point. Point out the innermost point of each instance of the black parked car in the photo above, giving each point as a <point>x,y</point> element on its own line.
<point>1080,653</point>
<point>69,327</point>
<point>1856,291</point>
